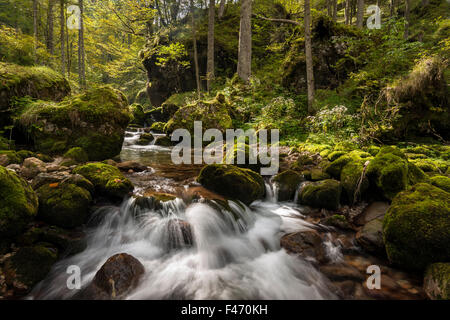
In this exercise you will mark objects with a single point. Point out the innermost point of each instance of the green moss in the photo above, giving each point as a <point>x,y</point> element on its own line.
<point>163,141</point>
<point>354,183</point>
<point>158,127</point>
<point>426,165</point>
<point>13,156</point>
<point>416,228</point>
<point>24,154</point>
<point>18,203</point>
<point>334,168</point>
<point>318,174</point>
<point>29,265</point>
<point>138,114</point>
<point>335,155</point>
<point>288,182</point>
<point>64,205</point>
<point>322,194</point>
<point>442,182</point>
<point>107,180</point>
<point>337,220</point>
<point>233,182</point>
<point>242,150</point>
<point>437,281</point>
<point>77,154</point>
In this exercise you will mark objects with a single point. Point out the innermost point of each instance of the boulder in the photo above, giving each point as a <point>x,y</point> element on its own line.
<point>437,281</point>
<point>442,182</point>
<point>370,237</point>
<point>287,182</point>
<point>131,165</point>
<point>163,141</point>
<point>158,127</point>
<point>77,155</point>
<point>308,244</point>
<point>337,221</point>
<point>233,182</point>
<point>116,278</point>
<point>416,228</point>
<point>107,180</point>
<point>94,120</point>
<point>32,167</point>
<point>8,157</point>
<point>240,156</point>
<point>63,204</point>
<point>322,194</point>
<point>18,203</point>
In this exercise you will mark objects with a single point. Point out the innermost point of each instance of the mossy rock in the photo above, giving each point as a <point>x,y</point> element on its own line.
<point>163,141</point>
<point>441,182</point>
<point>318,174</point>
<point>335,155</point>
<point>63,204</point>
<point>437,281</point>
<point>426,165</point>
<point>24,154</point>
<point>145,139</point>
<point>18,203</point>
<point>11,157</point>
<point>107,180</point>
<point>29,265</point>
<point>94,120</point>
<point>354,180</point>
<point>334,168</point>
<point>214,114</point>
<point>77,154</point>
<point>322,194</point>
<point>239,156</point>
<point>287,182</point>
<point>233,182</point>
<point>416,228</point>
<point>138,114</point>
<point>158,127</point>
<point>337,221</point>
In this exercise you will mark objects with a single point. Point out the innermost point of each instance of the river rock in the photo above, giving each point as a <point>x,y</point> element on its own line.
<point>233,182</point>
<point>131,165</point>
<point>437,281</point>
<point>306,243</point>
<point>322,194</point>
<point>287,182</point>
<point>163,141</point>
<point>116,278</point>
<point>374,211</point>
<point>370,237</point>
<point>31,167</point>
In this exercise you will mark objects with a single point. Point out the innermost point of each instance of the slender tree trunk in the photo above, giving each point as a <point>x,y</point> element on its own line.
<point>62,21</point>
<point>334,10</point>
<point>222,8</point>
<point>360,14</point>
<point>50,45</point>
<point>210,54</point>
<point>309,59</point>
<point>329,8</point>
<point>347,12</point>
<point>244,68</point>
<point>35,28</point>
<point>81,51</point>
<point>407,8</point>
<point>194,37</point>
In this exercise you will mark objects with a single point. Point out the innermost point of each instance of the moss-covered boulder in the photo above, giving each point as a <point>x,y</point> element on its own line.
<point>390,172</point>
<point>163,141</point>
<point>239,156</point>
<point>77,154</point>
<point>94,120</point>
<point>213,114</point>
<point>416,228</point>
<point>145,139</point>
<point>8,157</point>
<point>233,182</point>
<point>138,116</point>
<point>158,127</point>
<point>63,204</point>
<point>442,182</point>
<point>35,82</point>
<point>29,265</point>
<point>18,203</point>
<point>287,183</point>
<point>437,281</point>
<point>322,194</point>
<point>107,180</point>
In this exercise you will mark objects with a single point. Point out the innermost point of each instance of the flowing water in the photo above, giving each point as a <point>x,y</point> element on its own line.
<point>234,252</point>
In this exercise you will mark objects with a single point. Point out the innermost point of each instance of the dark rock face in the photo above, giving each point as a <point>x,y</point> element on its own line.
<point>307,244</point>
<point>287,182</point>
<point>116,278</point>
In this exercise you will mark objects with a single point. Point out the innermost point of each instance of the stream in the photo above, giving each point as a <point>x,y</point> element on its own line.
<point>235,254</point>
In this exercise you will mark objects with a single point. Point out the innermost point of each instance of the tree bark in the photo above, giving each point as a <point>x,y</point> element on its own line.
<point>222,8</point>
<point>244,68</point>
<point>309,60</point>
<point>407,8</point>
<point>50,45</point>
<point>62,21</point>
<point>360,14</point>
<point>81,51</point>
<point>347,12</point>
<point>334,10</point>
<point>210,53</point>
<point>35,28</point>
<point>194,40</point>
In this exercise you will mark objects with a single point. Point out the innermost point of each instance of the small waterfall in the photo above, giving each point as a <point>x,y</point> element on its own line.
<point>205,250</point>
<point>333,251</point>
<point>271,192</point>
<point>299,190</point>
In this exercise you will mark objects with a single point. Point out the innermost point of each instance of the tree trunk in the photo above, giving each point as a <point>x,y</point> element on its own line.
<point>244,68</point>
<point>391,8</point>
<point>62,21</point>
<point>329,7</point>
<point>194,40</point>
<point>334,10</point>
<point>309,59</point>
<point>407,6</point>
<point>50,45</point>
<point>81,51</point>
<point>360,14</point>
<point>35,28</point>
<point>222,8</point>
<point>210,54</point>
<point>347,12</point>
